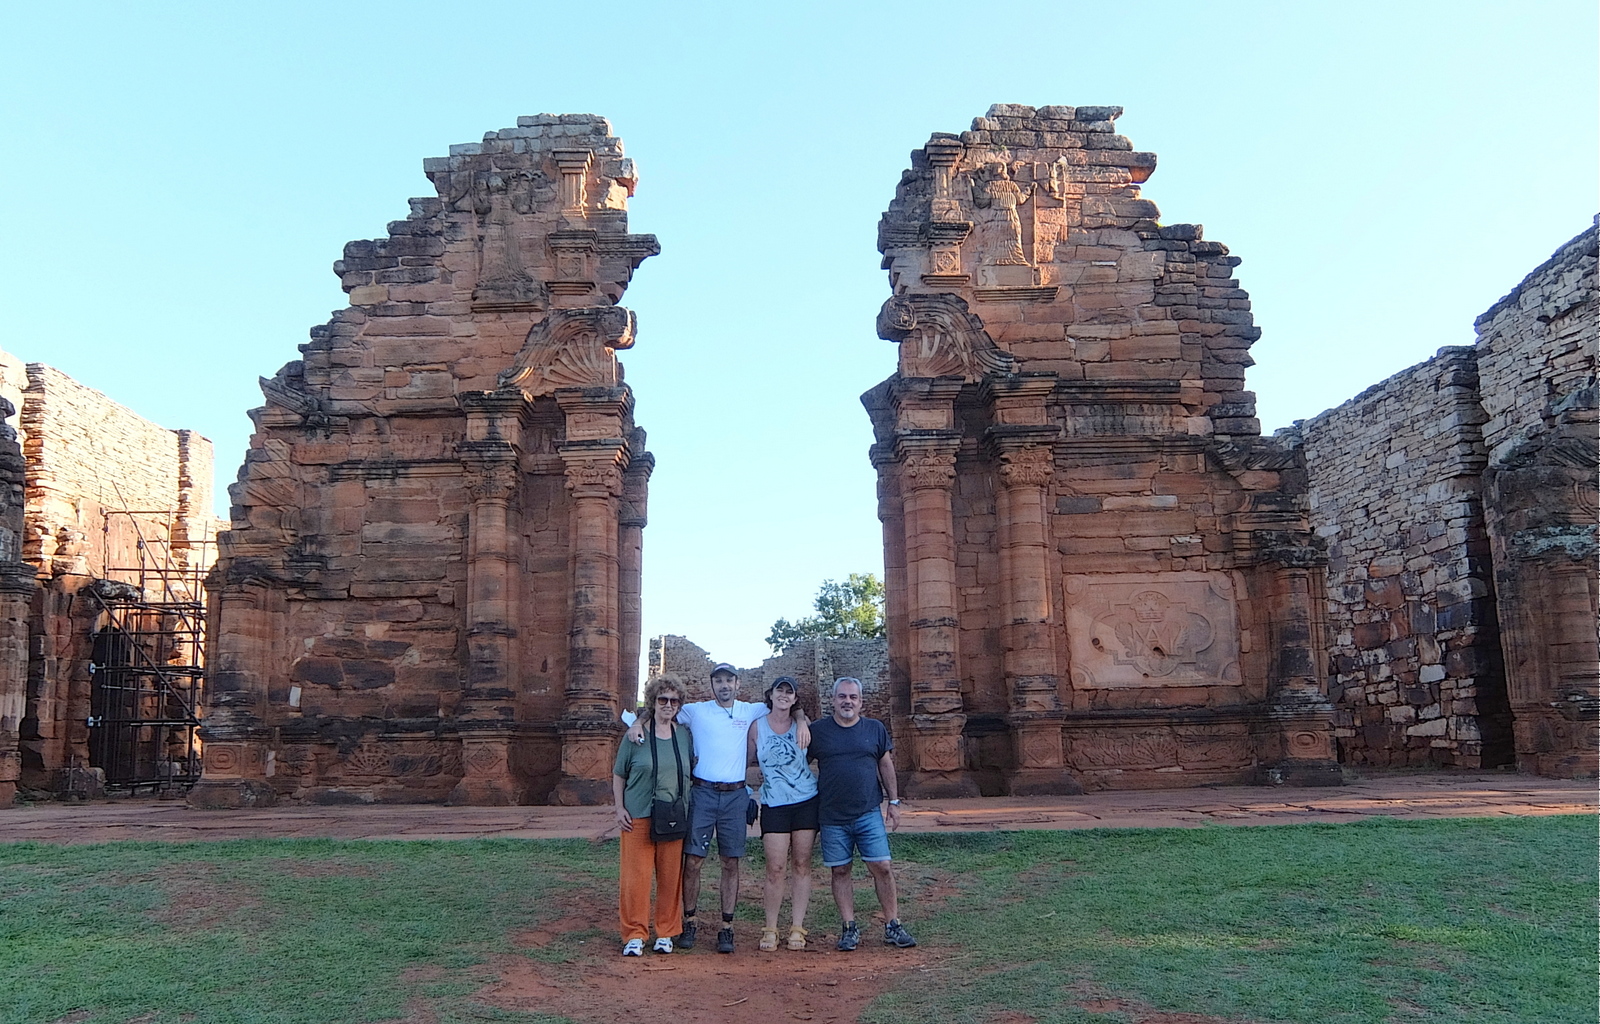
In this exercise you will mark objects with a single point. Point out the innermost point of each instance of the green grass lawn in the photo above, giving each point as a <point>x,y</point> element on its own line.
<point>1490,921</point>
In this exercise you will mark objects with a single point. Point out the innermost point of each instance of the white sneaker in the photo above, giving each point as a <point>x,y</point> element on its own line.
<point>663,945</point>
<point>633,947</point>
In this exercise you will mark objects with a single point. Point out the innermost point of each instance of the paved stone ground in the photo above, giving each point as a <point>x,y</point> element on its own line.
<point>1412,795</point>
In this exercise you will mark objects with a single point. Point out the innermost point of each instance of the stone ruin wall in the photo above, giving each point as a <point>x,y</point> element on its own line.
<point>1458,501</point>
<point>1098,574</point>
<point>1536,367</point>
<point>1396,492</point>
<point>81,459</point>
<point>814,663</point>
<point>88,456</point>
<point>430,590</point>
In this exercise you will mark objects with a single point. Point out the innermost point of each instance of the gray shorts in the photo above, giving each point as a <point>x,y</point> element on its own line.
<point>722,813</point>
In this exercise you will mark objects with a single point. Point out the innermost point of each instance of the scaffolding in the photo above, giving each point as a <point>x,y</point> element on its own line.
<point>148,662</point>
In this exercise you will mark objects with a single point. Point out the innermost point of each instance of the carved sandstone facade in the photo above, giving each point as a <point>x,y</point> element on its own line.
<point>1098,573</point>
<point>431,587</point>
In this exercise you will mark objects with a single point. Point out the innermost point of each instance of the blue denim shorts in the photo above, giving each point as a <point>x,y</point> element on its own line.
<point>866,833</point>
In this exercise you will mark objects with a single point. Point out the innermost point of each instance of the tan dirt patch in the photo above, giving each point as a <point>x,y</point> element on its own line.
<point>748,987</point>
<point>198,900</point>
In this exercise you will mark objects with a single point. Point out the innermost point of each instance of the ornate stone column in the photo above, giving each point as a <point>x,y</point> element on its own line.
<point>895,581</point>
<point>927,471</point>
<point>596,453</point>
<point>1019,439</point>
<point>1028,623</point>
<point>630,565</point>
<point>486,718</point>
<point>589,724</point>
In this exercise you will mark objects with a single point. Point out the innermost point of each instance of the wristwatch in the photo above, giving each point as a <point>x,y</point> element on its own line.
<point>895,802</point>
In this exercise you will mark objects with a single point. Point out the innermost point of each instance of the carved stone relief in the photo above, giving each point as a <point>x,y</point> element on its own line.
<point>999,225</point>
<point>503,201</point>
<point>939,338</point>
<point>1028,467</point>
<point>1122,749</point>
<point>1152,629</point>
<point>572,348</point>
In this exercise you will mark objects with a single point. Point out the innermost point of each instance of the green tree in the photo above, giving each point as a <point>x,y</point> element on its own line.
<point>852,610</point>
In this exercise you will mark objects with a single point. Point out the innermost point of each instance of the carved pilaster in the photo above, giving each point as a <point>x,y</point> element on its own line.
<point>17,587</point>
<point>493,481</point>
<point>573,165</point>
<point>1296,744</point>
<point>631,520</point>
<point>233,773</point>
<point>596,456</point>
<point>927,469</point>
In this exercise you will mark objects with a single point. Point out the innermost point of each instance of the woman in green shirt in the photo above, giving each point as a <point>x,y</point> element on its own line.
<point>634,796</point>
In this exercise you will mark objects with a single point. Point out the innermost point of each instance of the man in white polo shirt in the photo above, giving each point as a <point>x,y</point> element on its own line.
<point>720,797</point>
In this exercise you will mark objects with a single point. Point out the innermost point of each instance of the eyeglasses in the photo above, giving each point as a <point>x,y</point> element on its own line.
<point>668,701</point>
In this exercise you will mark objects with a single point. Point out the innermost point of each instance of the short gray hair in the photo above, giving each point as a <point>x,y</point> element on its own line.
<point>846,679</point>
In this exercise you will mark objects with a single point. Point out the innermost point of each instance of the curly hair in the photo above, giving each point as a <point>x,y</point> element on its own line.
<point>653,689</point>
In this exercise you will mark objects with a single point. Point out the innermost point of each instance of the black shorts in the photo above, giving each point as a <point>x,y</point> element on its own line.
<point>798,817</point>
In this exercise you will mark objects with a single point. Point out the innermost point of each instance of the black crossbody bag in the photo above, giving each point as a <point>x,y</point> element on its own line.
<point>669,819</point>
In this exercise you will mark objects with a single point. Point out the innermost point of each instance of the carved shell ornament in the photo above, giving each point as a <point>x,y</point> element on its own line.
<point>572,348</point>
<point>938,337</point>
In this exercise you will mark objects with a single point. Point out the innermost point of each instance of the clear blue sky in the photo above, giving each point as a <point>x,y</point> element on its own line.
<point>183,175</point>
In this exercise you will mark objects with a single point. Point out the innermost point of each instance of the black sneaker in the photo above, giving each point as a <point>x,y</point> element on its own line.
<point>895,934</point>
<point>725,940</point>
<point>850,937</point>
<point>686,939</point>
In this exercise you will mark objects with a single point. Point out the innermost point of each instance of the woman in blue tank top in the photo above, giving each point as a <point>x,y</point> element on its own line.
<point>788,810</point>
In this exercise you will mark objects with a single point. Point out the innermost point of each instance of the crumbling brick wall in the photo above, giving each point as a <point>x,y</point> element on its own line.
<point>88,456</point>
<point>98,480</point>
<point>1396,493</point>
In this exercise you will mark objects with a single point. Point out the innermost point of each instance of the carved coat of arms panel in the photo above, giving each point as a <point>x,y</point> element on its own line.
<point>1152,629</point>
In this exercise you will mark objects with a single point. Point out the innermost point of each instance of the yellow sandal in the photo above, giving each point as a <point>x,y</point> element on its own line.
<point>769,940</point>
<point>797,937</point>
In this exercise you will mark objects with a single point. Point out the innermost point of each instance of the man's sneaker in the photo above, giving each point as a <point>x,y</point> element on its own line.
<point>633,947</point>
<point>663,945</point>
<point>895,934</point>
<point>725,940</point>
<point>686,939</point>
<point>850,937</point>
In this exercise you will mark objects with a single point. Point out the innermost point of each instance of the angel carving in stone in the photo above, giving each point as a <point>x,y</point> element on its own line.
<point>994,192</point>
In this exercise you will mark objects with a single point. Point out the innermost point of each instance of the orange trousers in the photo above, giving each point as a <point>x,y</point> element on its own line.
<point>641,858</point>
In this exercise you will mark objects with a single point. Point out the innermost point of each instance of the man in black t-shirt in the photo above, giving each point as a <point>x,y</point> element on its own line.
<point>856,774</point>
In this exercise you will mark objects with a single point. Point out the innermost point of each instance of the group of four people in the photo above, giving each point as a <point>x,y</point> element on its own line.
<point>700,751</point>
